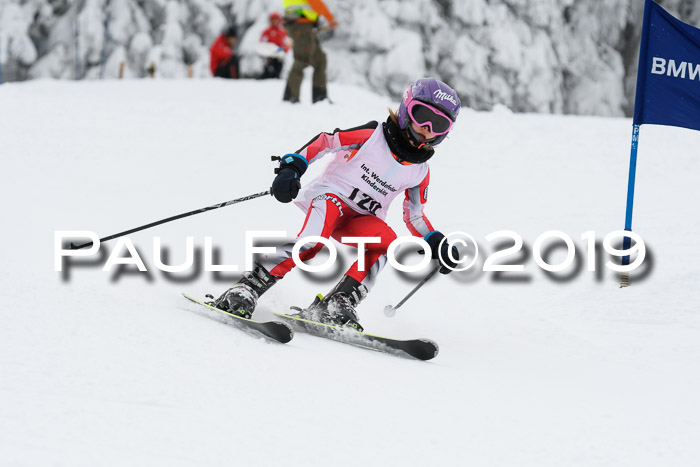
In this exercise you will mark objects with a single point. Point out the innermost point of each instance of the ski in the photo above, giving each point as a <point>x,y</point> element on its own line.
<point>422,349</point>
<point>280,332</point>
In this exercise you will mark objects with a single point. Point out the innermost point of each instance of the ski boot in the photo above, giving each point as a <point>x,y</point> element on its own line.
<point>338,307</point>
<point>240,300</point>
<point>319,94</point>
<point>287,97</point>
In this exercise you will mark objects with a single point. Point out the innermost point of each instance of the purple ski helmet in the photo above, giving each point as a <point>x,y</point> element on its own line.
<point>433,93</point>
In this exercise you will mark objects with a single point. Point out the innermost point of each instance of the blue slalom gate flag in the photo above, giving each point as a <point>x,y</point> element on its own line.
<point>668,87</point>
<point>668,78</point>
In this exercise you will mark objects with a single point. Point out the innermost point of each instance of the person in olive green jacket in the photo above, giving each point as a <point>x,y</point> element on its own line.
<point>301,17</point>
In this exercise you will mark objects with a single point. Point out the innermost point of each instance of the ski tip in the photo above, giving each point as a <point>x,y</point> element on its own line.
<point>287,338</point>
<point>429,351</point>
<point>188,297</point>
<point>435,354</point>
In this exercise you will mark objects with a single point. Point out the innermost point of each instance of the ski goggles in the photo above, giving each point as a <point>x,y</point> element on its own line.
<point>425,115</point>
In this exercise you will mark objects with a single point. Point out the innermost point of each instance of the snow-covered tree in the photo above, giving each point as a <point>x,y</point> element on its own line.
<point>561,56</point>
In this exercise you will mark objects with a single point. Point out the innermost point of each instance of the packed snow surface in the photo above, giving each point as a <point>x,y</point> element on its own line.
<point>114,368</point>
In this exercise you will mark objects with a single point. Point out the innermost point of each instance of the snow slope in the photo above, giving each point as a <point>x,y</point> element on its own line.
<point>554,56</point>
<point>102,368</point>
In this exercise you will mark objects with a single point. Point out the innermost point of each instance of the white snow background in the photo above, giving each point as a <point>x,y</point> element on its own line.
<point>105,370</point>
<point>545,56</point>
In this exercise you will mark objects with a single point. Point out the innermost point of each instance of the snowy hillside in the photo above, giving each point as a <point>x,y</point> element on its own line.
<point>548,56</point>
<point>109,368</point>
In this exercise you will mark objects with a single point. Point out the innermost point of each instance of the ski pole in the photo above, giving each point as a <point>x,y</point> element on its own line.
<point>179,216</point>
<point>390,311</point>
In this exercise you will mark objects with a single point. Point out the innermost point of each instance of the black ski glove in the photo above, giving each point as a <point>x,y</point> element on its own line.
<point>441,252</point>
<point>286,185</point>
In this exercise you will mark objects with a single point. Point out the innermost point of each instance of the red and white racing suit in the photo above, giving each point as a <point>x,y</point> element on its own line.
<point>352,196</point>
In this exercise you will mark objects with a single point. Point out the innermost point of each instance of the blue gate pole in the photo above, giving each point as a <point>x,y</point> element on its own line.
<point>627,241</point>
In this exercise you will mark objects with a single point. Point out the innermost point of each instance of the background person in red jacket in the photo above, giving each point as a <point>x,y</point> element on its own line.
<point>277,35</point>
<point>223,60</point>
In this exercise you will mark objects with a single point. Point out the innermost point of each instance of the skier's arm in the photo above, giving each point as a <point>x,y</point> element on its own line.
<point>286,185</point>
<point>323,143</point>
<point>319,7</point>
<point>284,41</point>
<point>420,226</point>
<point>416,197</point>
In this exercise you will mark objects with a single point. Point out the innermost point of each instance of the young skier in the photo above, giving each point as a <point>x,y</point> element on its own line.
<point>275,34</point>
<point>373,164</point>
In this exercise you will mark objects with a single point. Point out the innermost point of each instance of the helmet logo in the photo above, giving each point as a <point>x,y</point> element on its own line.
<point>443,96</point>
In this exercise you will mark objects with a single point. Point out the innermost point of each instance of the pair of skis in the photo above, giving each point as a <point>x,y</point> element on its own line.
<point>422,349</point>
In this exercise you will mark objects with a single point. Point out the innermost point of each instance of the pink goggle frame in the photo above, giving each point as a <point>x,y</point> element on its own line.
<point>425,115</point>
